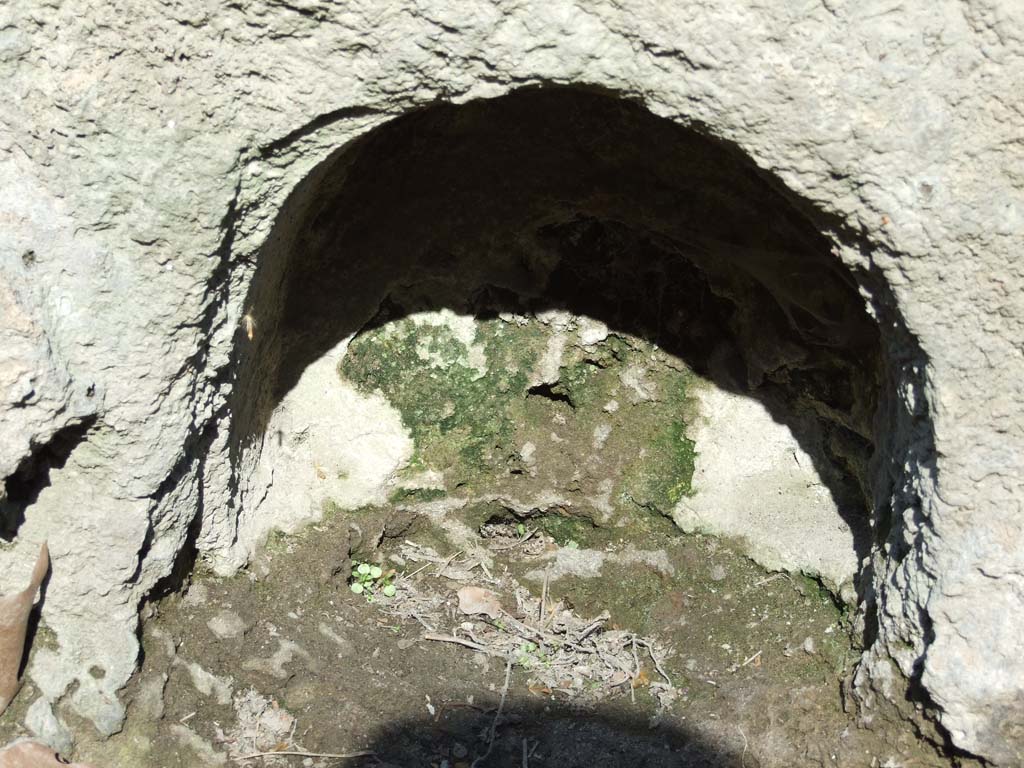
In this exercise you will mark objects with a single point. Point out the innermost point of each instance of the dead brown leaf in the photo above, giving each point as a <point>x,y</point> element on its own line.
<point>474,600</point>
<point>14,615</point>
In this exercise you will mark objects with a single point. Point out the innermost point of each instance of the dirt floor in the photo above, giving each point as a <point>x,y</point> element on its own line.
<point>522,600</point>
<point>538,642</point>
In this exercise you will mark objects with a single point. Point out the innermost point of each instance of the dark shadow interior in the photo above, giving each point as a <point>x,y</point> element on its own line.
<point>552,736</point>
<point>569,199</point>
<point>33,474</point>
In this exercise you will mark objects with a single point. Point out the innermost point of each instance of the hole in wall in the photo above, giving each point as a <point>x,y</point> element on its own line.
<point>429,270</point>
<point>567,201</point>
<point>33,474</point>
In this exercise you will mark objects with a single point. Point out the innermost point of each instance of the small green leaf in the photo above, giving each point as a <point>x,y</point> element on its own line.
<point>389,590</point>
<point>375,572</point>
<point>357,588</point>
<point>363,569</point>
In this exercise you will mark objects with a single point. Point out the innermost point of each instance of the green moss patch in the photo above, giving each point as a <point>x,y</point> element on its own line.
<point>466,390</point>
<point>662,476</point>
<point>567,530</point>
<point>461,417</point>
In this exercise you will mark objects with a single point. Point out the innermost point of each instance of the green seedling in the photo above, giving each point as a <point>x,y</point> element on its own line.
<point>369,580</point>
<point>525,654</point>
<point>529,655</point>
<point>521,530</point>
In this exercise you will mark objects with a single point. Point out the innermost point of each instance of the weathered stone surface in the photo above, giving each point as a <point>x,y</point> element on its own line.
<point>328,444</point>
<point>227,624</point>
<point>146,150</point>
<point>753,481</point>
<point>45,726</point>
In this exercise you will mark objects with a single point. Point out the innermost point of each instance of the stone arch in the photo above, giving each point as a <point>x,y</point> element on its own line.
<point>531,176</point>
<point>855,112</point>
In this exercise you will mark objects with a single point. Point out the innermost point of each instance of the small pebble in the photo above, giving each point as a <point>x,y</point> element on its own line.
<point>809,645</point>
<point>197,595</point>
<point>226,625</point>
<point>718,573</point>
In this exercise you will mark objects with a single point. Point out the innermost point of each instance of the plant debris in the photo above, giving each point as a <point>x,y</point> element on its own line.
<point>580,659</point>
<point>263,729</point>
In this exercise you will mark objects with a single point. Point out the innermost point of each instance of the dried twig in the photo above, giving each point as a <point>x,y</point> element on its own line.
<point>331,755</point>
<point>418,570</point>
<point>518,543</point>
<point>460,641</point>
<point>773,577</point>
<point>544,595</point>
<point>526,632</point>
<point>534,748</point>
<point>449,561</point>
<point>636,672</point>
<point>595,625</point>
<point>657,665</point>
<point>752,658</point>
<point>422,621</point>
<point>483,567</point>
<point>497,715</point>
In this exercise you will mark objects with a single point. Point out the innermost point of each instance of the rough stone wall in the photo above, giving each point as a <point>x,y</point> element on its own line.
<point>146,148</point>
